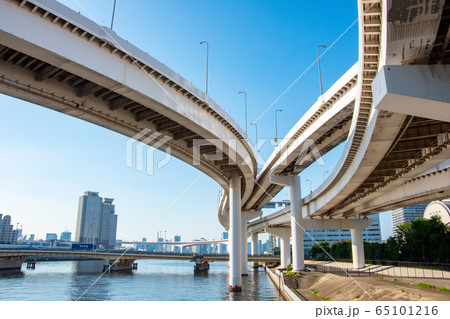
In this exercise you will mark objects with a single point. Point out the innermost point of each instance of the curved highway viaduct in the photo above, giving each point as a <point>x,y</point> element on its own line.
<point>54,57</point>
<point>113,84</point>
<point>392,111</point>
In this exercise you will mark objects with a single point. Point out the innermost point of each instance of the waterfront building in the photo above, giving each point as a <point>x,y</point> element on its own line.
<point>66,236</point>
<point>272,244</point>
<point>141,246</point>
<point>406,214</point>
<point>31,237</point>
<point>265,247</point>
<point>310,237</point>
<point>176,249</point>
<point>96,220</point>
<point>51,236</point>
<point>438,208</point>
<point>223,247</point>
<point>370,234</point>
<point>8,235</point>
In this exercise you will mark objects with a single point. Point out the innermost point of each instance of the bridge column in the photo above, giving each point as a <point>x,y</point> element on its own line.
<point>234,245</point>
<point>357,247</point>
<point>12,263</point>
<point>255,249</point>
<point>298,254</point>
<point>285,250</point>
<point>244,247</point>
<point>246,216</point>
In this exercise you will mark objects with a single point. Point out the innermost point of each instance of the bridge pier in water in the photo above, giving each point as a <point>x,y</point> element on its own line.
<point>255,249</point>
<point>201,265</point>
<point>12,263</point>
<point>122,265</point>
<point>235,243</point>
<point>246,216</point>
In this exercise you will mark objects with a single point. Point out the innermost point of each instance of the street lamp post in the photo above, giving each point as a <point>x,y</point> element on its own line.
<point>256,130</point>
<point>310,186</point>
<point>242,92</point>
<point>207,60</point>
<point>112,17</point>
<point>318,62</point>
<point>276,128</point>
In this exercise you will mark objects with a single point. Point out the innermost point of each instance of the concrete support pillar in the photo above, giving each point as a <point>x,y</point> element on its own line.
<point>357,248</point>
<point>244,246</point>
<point>285,250</point>
<point>255,248</point>
<point>284,234</point>
<point>293,182</point>
<point>246,216</point>
<point>298,253</point>
<point>235,278</point>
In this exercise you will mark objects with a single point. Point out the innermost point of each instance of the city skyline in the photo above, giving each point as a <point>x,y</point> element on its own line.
<point>52,157</point>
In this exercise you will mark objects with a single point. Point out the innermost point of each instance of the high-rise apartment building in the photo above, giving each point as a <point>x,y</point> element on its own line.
<point>66,236</point>
<point>223,247</point>
<point>406,214</point>
<point>96,221</point>
<point>370,234</point>
<point>51,236</point>
<point>8,235</point>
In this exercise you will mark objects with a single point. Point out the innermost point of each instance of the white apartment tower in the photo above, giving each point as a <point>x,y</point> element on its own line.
<point>406,215</point>
<point>8,235</point>
<point>96,220</point>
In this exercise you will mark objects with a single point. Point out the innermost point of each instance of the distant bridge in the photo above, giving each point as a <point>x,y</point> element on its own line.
<point>13,258</point>
<point>176,243</point>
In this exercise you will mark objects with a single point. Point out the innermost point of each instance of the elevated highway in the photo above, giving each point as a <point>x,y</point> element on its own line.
<point>398,130</point>
<point>120,255</point>
<point>54,57</point>
<point>177,243</point>
<point>111,83</point>
<point>13,259</point>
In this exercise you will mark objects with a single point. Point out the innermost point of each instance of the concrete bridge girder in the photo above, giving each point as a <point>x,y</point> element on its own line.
<point>160,90</point>
<point>313,125</point>
<point>407,88</point>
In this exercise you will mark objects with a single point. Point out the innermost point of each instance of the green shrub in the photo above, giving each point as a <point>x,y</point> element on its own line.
<point>421,284</point>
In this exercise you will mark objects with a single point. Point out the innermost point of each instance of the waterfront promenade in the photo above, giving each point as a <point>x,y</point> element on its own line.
<point>374,270</point>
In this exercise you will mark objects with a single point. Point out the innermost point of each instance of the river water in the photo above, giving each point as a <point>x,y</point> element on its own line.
<point>153,280</point>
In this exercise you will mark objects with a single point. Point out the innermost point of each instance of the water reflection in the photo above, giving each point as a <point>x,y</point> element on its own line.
<point>154,280</point>
<point>255,286</point>
<point>89,288</point>
<point>11,274</point>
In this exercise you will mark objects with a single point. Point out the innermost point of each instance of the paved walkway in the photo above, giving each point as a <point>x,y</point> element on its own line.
<point>384,270</point>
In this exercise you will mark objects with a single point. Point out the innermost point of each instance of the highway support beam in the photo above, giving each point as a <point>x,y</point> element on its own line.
<point>246,216</point>
<point>121,265</point>
<point>235,242</point>
<point>285,245</point>
<point>255,249</point>
<point>418,90</point>
<point>357,248</point>
<point>298,254</point>
<point>12,263</point>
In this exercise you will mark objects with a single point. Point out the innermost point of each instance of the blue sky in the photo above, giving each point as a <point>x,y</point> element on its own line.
<point>260,47</point>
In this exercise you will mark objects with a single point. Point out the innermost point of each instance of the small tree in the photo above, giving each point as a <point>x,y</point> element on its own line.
<point>423,240</point>
<point>319,250</point>
<point>342,249</point>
